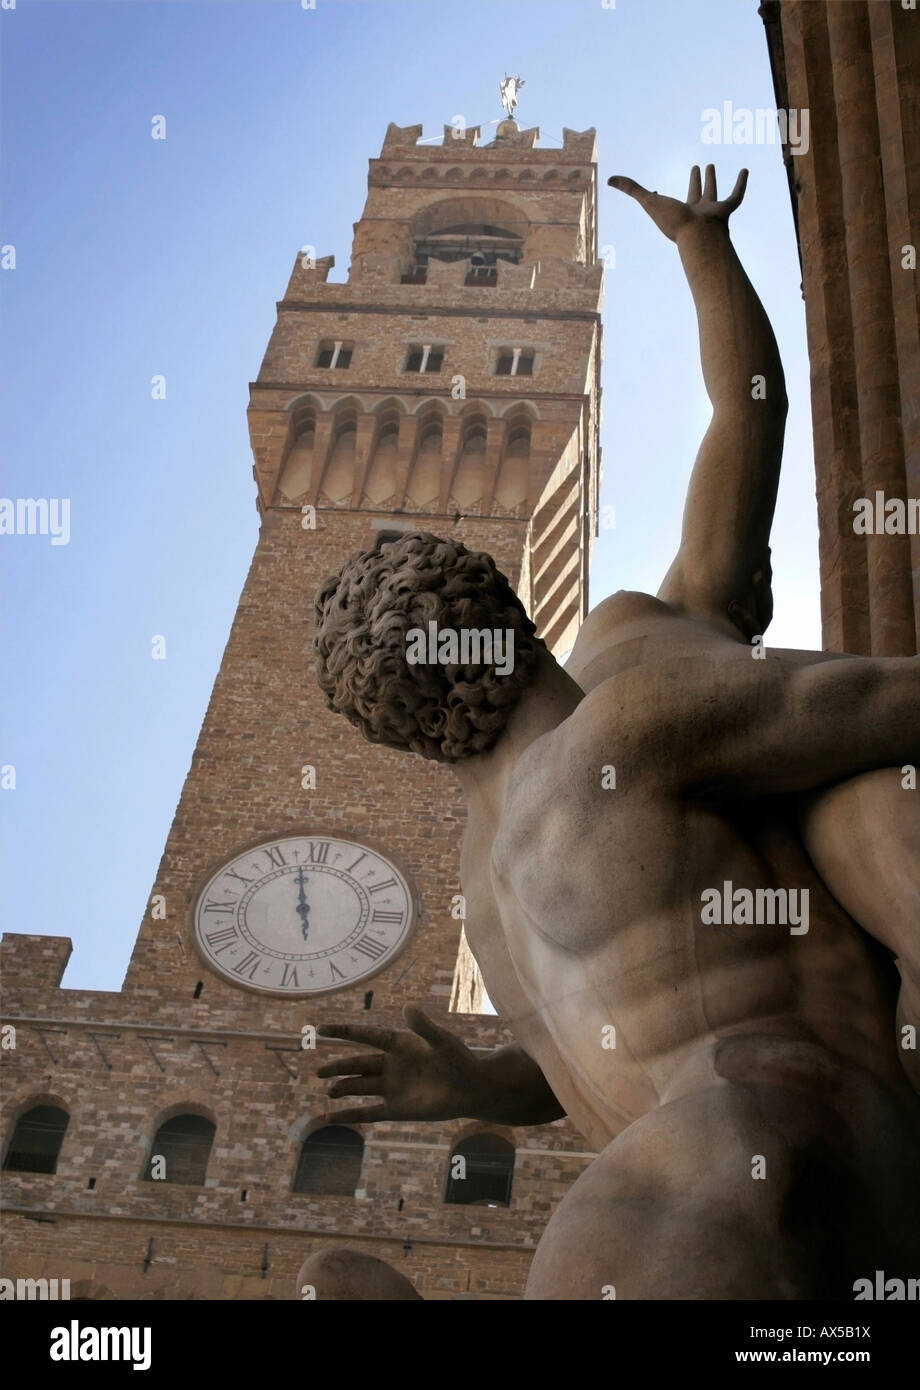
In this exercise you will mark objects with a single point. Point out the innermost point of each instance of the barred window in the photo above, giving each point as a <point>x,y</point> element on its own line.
<point>36,1141</point>
<point>183,1146</point>
<point>480,1173</point>
<point>514,362</point>
<point>424,357</point>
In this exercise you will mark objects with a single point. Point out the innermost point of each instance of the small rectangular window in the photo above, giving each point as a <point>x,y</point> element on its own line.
<point>334,354</point>
<point>424,357</point>
<point>514,362</point>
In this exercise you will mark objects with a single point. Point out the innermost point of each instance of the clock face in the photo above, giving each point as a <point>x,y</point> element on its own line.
<point>303,915</point>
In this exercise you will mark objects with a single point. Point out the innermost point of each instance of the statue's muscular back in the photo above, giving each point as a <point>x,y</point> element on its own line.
<point>584,903</point>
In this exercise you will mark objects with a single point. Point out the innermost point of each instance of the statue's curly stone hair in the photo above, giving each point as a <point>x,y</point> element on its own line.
<point>363,614</point>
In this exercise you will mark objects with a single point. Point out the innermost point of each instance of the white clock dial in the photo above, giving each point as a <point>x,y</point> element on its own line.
<point>303,914</point>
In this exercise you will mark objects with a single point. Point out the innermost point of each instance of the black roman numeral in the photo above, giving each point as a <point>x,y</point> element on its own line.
<point>351,868</point>
<point>220,907</point>
<point>380,916</point>
<point>336,974</point>
<point>319,851</point>
<point>275,857</point>
<point>369,947</point>
<point>387,883</point>
<point>226,935</point>
<point>250,960</point>
<point>290,976</point>
<point>232,873</point>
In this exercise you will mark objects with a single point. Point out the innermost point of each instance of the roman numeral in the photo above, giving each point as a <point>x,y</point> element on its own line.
<point>220,907</point>
<point>353,866</point>
<point>387,883</point>
<point>275,857</point>
<point>336,974</point>
<point>226,935</point>
<point>380,916</point>
<point>252,960</point>
<point>232,873</point>
<point>319,851</point>
<point>369,947</point>
<point>290,977</point>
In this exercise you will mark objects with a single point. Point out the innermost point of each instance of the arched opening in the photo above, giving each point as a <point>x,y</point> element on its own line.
<point>474,435</point>
<point>425,474</point>
<point>180,1151</point>
<point>387,433</point>
<point>297,472</point>
<point>431,430</point>
<point>513,477</point>
<point>380,484</point>
<point>481,231</point>
<point>305,425</point>
<point>37,1140</point>
<point>466,240</point>
<point>481,1170</point>
<point>330,1162</point>
<point>517,440</point>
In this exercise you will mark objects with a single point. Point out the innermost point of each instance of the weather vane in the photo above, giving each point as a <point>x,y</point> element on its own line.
<point>509,88</point>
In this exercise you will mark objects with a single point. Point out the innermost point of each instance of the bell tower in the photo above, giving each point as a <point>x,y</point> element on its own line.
<point>450,384</point>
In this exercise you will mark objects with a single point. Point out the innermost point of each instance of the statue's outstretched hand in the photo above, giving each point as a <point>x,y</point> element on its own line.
<point>425,1074</point>
<point>671,216</point>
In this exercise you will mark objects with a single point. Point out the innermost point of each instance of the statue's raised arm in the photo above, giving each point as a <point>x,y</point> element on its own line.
<point>722,569</point>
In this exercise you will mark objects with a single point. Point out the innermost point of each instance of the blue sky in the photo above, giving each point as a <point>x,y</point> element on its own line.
<point>136,257</point>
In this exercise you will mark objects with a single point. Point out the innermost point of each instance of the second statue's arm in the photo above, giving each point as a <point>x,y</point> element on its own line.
<point>722,569</point>
<point>428,1074</point>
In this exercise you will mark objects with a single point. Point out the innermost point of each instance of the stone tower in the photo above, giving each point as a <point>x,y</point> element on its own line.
<point>175,1133</point>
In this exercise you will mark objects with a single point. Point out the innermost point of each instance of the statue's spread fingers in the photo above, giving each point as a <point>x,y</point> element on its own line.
<point>359,1065</point>
<point>709,187</point>
<point>695,191</point>
<point>357,1115</point>
<point>354,1086</point>
<point>384,1038</point>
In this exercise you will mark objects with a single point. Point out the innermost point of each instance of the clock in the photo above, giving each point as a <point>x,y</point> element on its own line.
<point>303,914</point>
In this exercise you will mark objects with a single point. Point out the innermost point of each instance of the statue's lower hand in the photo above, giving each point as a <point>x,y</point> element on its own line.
<point>671,216</point>
<point>425,1074</point>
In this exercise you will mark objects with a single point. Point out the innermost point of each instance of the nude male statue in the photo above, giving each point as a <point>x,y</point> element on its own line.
<point>757,1131</point>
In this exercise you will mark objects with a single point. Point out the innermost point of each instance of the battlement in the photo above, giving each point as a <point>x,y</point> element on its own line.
<point>407,141</point>
<point>35,962</point>
<point>561,284</point>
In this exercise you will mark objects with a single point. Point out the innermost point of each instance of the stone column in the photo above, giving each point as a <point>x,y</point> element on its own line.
<point>854,67</point>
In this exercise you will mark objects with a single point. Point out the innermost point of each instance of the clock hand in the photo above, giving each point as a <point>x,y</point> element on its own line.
<point>303,907</point>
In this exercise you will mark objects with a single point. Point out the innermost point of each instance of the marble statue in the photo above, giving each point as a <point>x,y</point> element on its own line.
<point>508,91</point>
<point>705,845</point>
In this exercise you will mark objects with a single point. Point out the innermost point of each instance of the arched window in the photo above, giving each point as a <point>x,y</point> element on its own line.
<point>330,1162</point>
<point>483,1178</point>
<point>388,433</point>
<point>430,428</point>
<point>37,1140</point>
<point>305,428</point>
<point>474,436</point>
<point>181,1150</point>
<point>467,239</point>
<point>517,440</point>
